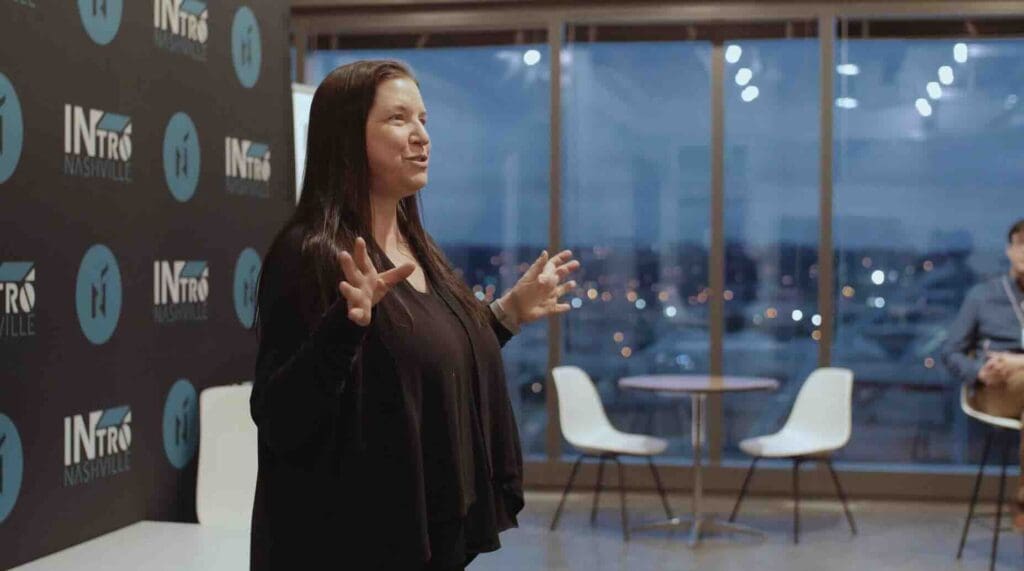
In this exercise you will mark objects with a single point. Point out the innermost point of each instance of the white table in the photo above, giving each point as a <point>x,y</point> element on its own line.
<point>699,387</point>
<point>154,546</point>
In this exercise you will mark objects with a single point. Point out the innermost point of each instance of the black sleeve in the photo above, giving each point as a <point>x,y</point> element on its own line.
<point>500,331</point>
<point>961,339</point>
<point>303,365</point>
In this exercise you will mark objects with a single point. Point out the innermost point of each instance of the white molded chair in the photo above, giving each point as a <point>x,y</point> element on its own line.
<point>995,424</point>
<point>226,482</point>
<point>819,424</point>
<point>587,428</point>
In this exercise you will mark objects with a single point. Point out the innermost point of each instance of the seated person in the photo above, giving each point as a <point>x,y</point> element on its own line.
<point>985,346</point>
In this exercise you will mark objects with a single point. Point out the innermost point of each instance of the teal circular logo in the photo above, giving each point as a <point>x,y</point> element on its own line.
<point>98,294</point>
<point>12,465</point>
<point>11,128</point>
<point>181,157</point>
<point>101,19</point>
<point>245,46</point>
<point>247,273</point>
<point>181,423</point>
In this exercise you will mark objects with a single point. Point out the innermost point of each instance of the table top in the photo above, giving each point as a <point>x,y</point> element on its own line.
<point>698,383</point>
<point>154,546</point>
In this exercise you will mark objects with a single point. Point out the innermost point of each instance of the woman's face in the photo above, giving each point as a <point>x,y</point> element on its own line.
<point>397,144</point>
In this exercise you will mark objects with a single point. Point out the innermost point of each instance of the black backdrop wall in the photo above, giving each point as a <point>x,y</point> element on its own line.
<point>145,163</point>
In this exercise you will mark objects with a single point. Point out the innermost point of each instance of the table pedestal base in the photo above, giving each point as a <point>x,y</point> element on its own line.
<point>700,527</point>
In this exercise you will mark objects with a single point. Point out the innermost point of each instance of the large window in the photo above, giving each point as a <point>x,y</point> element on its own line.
<point>771,161</point>
<point>928,175</point>
<point>486,204</point>
<point>636,204</point>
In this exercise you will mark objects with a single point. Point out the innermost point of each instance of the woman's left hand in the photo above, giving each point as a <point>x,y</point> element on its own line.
<point>536,294</point>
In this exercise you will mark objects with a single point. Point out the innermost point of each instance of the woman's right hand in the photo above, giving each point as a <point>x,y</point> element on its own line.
<point>363,287</point>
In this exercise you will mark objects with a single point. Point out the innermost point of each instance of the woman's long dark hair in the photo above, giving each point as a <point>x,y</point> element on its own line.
<point>335,205</point>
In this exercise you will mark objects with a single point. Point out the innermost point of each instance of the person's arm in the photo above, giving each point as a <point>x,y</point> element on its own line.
<point>962,338</point>
<point>302,367</point>
<point>503,323</point>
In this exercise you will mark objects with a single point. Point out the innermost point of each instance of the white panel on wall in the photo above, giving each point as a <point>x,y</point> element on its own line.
<point>302,100</point>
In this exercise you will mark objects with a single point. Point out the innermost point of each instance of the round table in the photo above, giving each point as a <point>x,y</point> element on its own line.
<point>698,387</point>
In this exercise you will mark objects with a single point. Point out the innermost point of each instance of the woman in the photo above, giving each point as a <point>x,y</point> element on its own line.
<point>386,436</point>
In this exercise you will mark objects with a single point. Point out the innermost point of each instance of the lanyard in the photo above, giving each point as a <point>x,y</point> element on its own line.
<point>1013,302</point>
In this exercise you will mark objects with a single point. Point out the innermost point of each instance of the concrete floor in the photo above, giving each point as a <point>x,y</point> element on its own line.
<point>892,535</point>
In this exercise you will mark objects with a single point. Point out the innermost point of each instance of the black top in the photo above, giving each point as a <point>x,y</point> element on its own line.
<point>342,478</point>
<point>438,351</point>
<point>986,321</point>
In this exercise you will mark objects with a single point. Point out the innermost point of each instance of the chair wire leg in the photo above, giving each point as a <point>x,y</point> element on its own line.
<point>622,495</point>
<point>597,489</point>
<point>842,496</point>
<point>743,489</point>
<point>568,486</point>
<point>796,500</point>
<point>974,495</point>
<point>661,490</point>
<point>999,507</point>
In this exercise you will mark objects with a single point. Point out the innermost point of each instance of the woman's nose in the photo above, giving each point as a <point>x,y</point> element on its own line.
<point>420,136</point>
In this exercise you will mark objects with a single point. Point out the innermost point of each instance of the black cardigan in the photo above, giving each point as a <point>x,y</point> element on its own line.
<point>340,481</point>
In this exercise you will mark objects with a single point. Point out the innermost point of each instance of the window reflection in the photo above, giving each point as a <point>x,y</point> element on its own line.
<point>636,206</point>
<point>924,192</point>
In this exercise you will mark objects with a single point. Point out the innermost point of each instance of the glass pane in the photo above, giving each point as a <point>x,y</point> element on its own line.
<point>772,152</point>
<point>929,136</point>
<point>487,201</point>
<point>636,207</point>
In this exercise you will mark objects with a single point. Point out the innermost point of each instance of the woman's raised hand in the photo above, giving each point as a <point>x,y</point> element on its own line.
<point>363,287</point>
<point>537,293</point>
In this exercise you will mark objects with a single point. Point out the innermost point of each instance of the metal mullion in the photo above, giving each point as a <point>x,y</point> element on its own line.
<point>484,17</point>
<point>826,256</point>
<point>716,258</point>
<point>555,30</point>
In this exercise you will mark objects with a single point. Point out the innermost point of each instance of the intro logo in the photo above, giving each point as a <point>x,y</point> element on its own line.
<point>247,167</point>
<point>18,288</point>
<point>181,423</point>
<point>247,273</point>
<point>101,19</point>
<point>245,46</point>
<point>11,129</point>
<point>97,444</point>
<point>180,26</point>
<point>12,465</point>
<point>97,144</point>
<point>98,294</point>
<point>180,291</point>
<point>181,157</point>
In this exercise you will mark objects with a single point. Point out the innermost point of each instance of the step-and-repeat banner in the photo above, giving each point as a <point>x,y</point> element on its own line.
<point>145,163</point>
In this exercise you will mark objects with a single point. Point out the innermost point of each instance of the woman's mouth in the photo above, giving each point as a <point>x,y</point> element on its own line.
<point>419,160</point>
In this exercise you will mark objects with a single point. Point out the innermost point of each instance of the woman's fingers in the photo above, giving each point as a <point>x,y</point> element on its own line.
<point>562,257</point>
<point>362,258</point>
<point>565,288</point>
<point>537,267</point>
<point>567,268</point>
<point>357,315</point>
<point>353,295</point>
<point>390,279</point>
<point>394,276</point>
<point>551,309</point>
<point>348,267</point>
<point>357,303</point>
